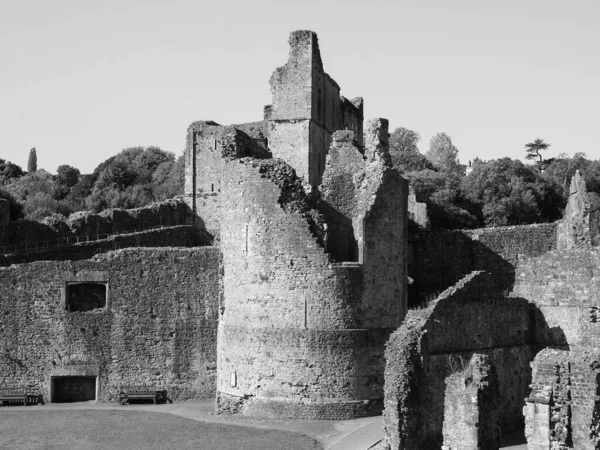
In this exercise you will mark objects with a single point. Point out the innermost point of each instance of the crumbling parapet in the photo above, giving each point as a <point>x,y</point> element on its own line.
<point>574,229</point>
<point>471,404</point>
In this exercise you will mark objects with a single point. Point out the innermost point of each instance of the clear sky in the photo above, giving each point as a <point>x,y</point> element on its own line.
<point>81,80</point>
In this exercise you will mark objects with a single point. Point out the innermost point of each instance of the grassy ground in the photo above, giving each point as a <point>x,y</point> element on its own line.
<point>93,429</point>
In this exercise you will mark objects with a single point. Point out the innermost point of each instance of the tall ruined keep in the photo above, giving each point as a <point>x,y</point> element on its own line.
<point>297,127</point>
<point>307,109</point>
<point>312,225</point>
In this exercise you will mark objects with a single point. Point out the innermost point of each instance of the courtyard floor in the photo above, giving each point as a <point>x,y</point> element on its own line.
<point>184,425</point>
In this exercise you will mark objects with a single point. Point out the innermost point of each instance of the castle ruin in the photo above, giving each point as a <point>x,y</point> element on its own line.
<point>279,285</point>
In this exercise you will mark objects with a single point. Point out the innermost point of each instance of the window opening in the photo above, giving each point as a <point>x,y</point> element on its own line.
<point>84,297</point>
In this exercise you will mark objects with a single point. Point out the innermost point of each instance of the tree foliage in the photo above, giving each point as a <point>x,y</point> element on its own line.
<point>67,176</point>
<point>443,154</point>
<point>132,178</point>
<point>507,192</point>
<point>8,171</point>
<point>32,161</point>
<point>443,197</point>
<point>405,153</point>
<point>534,148</point>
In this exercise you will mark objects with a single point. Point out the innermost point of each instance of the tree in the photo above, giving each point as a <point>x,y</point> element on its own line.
<point>39,194</point>
<point>67,176</point>
<point>507,192</point>
<point>534,148</point>
<point>405,152</point>
<point>8,171</point>
<point>441,193</point>
<point>32,161</point>
<point>16,208</point>
<point>133,178</point>
<point>443,154</point>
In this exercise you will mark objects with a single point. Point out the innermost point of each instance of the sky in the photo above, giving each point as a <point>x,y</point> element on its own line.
<point>82,80</point>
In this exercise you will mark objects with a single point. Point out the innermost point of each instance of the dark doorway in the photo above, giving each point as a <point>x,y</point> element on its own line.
<point>73,389</point>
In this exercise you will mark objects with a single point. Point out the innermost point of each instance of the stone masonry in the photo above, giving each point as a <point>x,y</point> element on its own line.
<point>302,334</point>
<point>298,126</point>
<point>471,407</point>
<point>574,229</point>
<point>311,219</point>
<point>157,325</point>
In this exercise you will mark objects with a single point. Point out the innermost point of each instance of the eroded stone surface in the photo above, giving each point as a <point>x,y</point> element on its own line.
<point>574,229</point>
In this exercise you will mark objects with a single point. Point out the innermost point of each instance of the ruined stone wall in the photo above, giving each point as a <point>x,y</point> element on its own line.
<point>179,236</point>
<point>471,317</point>
<point>574,230</point>
<point>307,108</point>
<point>159,326</point>
<point>437,260</point>
<point>209,147</point>
<point>471,407</point>
<point>565,286</point>
<point>563,407</point>
<point>85,223</point>
<point>339,199</point>
<point>417,211</point>
<point>297,337</point>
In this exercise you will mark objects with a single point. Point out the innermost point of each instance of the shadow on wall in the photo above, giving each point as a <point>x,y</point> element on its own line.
<point>471,317</point>
<point>341,243</point>
<point>439,260</point>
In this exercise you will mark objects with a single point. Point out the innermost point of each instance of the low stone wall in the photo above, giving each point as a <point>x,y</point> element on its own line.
<point>158,327</point>
<point>84,223</point>
<point>178,236</point>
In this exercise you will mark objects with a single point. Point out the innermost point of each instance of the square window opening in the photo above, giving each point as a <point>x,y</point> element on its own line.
<point>86,296</point>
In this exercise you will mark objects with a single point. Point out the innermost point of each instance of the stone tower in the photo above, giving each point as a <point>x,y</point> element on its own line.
<point>312,285</point>
<point>307,109</point>
<point>303,324</point>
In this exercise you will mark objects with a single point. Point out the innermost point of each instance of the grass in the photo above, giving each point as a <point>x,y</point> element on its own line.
<point>93,429</point>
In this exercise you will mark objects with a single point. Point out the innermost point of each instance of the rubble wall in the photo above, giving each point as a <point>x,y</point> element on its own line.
<point>565,286</point>
<point>86,223</point>
<point>574,229</point>
<point>471,317</point>
<point>159,326</point>
<point>209,147</point>
<point>471,407</point>
<point>572,379</point>
<point>437,260</point>
<point>179,236</point>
